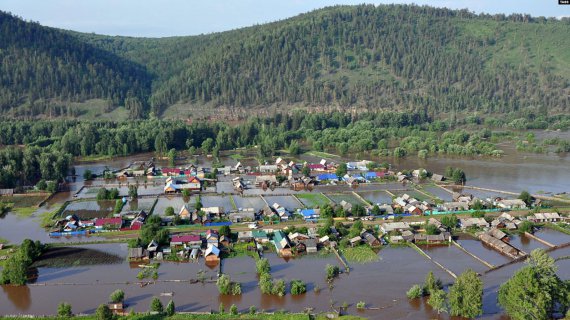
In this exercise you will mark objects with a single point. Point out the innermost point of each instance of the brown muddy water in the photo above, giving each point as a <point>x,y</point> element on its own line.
<point>381,284</point>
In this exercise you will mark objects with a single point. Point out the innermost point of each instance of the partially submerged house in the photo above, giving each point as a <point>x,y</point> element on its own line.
<point>511,204</point>
<point>212,254</point>
<point>245,236</point>
<point>371,239</point>
<point>473,222</point>
<point>281,242</point>
<point>394,226</point>
<point>260,236</point>
<point>186,241</point>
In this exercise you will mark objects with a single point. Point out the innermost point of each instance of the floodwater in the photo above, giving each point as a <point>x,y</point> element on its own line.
<point>439,192</point>
<point>453,258</point>
<point>175,202</point>
<point>381,284</point>
<point>217,201</point>
<point>288,202</point>
<point>249,202</point>
<point>552,236</point>
<point>525,243</point>
<point>377,197</point>
<point>484,252</point>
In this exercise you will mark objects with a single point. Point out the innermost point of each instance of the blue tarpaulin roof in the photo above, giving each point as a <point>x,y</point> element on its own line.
<point>308,212</point>
<point>327,176</point>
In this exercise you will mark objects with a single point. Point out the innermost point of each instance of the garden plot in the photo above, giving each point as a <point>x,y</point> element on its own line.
<point>138,205</point>
<point>350,198</point>
<point>90,209</point>
<point>217,201</point>
<point>312,200</point>
<point>288,202</point>
<point>175,202</point>
<point>249,202</point>
<point>375,197</point>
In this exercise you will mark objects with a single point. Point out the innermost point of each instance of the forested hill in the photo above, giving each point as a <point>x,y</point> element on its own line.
<point>43,68</point>
<point>385,57</point>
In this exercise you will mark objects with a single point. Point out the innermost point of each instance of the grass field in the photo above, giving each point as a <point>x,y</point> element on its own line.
<point>361,254</point>
<point>311,200</point>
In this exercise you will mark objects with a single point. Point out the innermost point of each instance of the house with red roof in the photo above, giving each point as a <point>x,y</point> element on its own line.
<point>108,223</point>
<point>190,240</point>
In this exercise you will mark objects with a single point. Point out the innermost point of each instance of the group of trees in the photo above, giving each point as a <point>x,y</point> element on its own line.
<point>226,286</point>
<point>15,271</point>
<point>25,166</point>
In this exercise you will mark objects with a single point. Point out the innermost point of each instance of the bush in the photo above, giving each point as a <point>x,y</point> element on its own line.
<point>361,305</point>
<point>526,226</point>
<point>332,271</point>
<point>252,310</point>
<point>262,266</point>
<point>298,287</point>
<point>170,308</point>
<point>279,287</point>
<point>156,305</point>
<point>265,283</point>
<point>169,211</point>
<point>233,310</point>
<point>87,175</point>
<point>226,286</point>
<point>221,309</point>
<point>103,313</point>
<point>117,296</point>
<point>41,185</point>
<point>416,291</point>
<point>64,310</point>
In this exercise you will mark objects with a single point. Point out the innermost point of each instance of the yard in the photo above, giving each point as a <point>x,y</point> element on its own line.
<point>311,200</point>
<point>361,254</point>
<point>24,206</point>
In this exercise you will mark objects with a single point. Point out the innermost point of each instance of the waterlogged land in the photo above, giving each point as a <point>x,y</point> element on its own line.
<point>85,275</point>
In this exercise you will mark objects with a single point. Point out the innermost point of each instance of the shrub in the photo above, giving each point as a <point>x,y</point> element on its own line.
<point>233,310</point>
<point>298,287</point>
<point>252,310</point>
<point>416,291</point>
<point>262,266</point>
<point>64,310</point>
<point>103,313</point>
<point>117,296</point>
<point>361,305</point>
<point>170,308</point>
<point>156,305</point>
<point>169,211</point>
<point>279,287</point>
<point>332,271</point>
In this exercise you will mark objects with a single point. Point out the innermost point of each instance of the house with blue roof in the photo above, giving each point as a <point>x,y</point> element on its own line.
<point>311,213</point>
<point>327,176</point>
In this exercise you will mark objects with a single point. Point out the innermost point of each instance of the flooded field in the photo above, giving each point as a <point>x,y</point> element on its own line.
<point>439,192</point>
<point>288,202</point>
<point>350,198</point>
<point>217,201</point>
<point>90,209</point>
<point>552,236</point>
<point>376,197</point>
<point>525,243</point>
<point>139,204</point>
<point>453,258</point>
<point>312,200</point>
<point>484,252</point>
<point>172,201</point>
<point>249,202</point>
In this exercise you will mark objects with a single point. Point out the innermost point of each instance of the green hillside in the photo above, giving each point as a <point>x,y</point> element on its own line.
<point>385,57</point>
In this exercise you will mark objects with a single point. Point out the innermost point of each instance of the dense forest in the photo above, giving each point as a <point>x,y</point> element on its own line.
<point>403,57</point>
<point>43,149</point>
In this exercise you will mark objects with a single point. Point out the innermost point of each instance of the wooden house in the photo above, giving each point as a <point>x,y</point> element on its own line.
<point>282,244</point>
<point>212,254</point>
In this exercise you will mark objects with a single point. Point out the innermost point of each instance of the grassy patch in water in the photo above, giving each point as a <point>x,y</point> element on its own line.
<point>312,199</point>
<point>59,257</point>
<point>361,254</point>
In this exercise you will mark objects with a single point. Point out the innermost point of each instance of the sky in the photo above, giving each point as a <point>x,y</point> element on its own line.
<point>153,18</point>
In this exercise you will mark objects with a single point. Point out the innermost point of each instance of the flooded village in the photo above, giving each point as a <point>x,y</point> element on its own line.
<point>384,225</point>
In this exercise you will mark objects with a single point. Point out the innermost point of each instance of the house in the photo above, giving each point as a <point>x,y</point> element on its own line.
<point>268,212</point>
<point>396,239</point>
<point>310,245</point>
<point>268,168</point>
<point>346,206</point>
<point>212,237</point>
<point>371,239</point>
<point>298,237</point>
<point>327,176</point>
<point>386,209</point>
<point>152,246</point>
<point>117,308</point>
<point>281,242</point>
<point>437,177</point>
<point>544,217</point>
<point>213,211</point>
<point>265,181</point>
<point>455,206</point>
<point>186,241</point>
<point>433,238</point>
<point>212,254</point>
<point>317,167</point>
<point>281,212</point>
<point>355,241</point>
<point>311,213</point>
<point>260,236</point>
<point>243,215</point>
<point>136,254</point>
<point>496,233</point>
<point>511,204</point>
<point>324,240</point>
<point>245,236</point>
<point>108,223</point>
<point>408,235</point>
<point>413,210</point>
<point>394,226</point>
<point>473,222</point>
<point>185,212</point>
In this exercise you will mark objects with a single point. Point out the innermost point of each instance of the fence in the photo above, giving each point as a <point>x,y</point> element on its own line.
<point>218,224</point>
<point>435,212</point>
